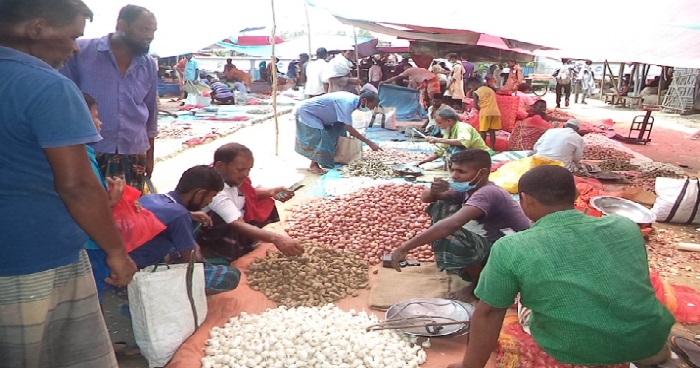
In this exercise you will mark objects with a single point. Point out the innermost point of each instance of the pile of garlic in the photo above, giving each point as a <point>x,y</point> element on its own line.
<point>308,337</point>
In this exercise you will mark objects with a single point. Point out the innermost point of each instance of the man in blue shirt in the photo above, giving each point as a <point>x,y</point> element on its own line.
<point>49,197</point>
<point>117,71</point>
<point>190,77</point>
<point>197,186</point>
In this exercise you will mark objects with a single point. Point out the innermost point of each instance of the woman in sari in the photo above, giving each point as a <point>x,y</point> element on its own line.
<point>322,120</point>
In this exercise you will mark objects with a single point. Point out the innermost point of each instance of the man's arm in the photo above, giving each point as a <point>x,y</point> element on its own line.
<point>353,132</point>
<point>285,244</point>
<point>484,330</point>
<point>87,202</point>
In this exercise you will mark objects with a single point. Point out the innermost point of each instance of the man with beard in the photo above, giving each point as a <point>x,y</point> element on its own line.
<point>123,79</point>
<point>50,200</point>
<point>197,187</point>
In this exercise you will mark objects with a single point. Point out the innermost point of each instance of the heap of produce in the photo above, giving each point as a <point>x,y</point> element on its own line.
<point>661,169</point>
<point>373,221</point>
<point>599,147</point>
<point>393,155</point>
<point>320,276</point>
<point>337,188</point>
<point>559,114</point>
<point>616,165</point>
<point>370,168</point>
<point>308,337</point>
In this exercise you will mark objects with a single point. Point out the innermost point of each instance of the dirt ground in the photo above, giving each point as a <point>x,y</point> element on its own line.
<point>669,144</point>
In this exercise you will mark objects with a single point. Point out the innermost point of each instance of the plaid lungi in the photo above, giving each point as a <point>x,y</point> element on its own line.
<point>53,319</point>
<point>131,168</point>
<point>459,249</point>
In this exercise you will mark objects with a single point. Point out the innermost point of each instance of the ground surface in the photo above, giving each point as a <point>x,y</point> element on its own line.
<point>669,144</point>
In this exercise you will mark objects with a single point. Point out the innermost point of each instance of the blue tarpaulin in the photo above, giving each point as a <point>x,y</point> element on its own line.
<point>405,100</point>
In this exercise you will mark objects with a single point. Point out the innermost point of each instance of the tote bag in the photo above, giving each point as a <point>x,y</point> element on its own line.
<point>347,150</point>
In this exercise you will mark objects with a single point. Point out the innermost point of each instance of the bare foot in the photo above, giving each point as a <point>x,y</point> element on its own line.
<point>466,294</point>
<point>315,169</point>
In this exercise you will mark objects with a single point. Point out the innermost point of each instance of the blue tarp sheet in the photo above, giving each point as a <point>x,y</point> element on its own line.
<point>405,100</point>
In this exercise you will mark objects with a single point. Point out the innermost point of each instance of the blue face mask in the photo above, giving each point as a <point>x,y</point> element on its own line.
<point>465,186</point>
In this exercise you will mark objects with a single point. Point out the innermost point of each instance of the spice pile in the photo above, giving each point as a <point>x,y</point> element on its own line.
<point>373,221</point>
<point>616,165</point>
<point>308,337</point>
<point>320,276</point>
<point>393,155</point>
<point>665,259</point>
<point>370,168</point>
<point>591,152</point>
<point>660,169</point>
<point>559,114</point>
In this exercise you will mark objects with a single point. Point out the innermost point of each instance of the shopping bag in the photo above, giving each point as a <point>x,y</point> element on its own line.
<point>508,175</point>
<point>347,150</point>
<point>135,227</point>
<point>167,304</point>
<point>677,201</point>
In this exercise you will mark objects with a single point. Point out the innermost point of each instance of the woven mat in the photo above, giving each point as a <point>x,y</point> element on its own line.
<point>391,287</point>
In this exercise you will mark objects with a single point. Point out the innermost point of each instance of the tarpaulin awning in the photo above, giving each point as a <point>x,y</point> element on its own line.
<point>636,31</point>
<point>292,48</point>
<point>252,40</point>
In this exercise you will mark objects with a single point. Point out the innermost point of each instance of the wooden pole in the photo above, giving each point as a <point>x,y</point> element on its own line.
<point>273,37</point>
<point>308,27</point>
<point>357,56</point>
<point>602,81</point>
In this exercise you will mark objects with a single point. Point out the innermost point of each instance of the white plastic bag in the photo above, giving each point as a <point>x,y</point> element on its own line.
<point>348,149</point>
<point>677,201</point>
<point>162,310</point>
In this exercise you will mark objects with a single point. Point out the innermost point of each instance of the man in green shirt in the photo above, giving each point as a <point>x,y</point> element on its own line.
<point>584,279</point>
<point>456,136</point>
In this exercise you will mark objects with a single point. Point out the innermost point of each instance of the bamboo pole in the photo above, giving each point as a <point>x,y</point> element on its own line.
<point>273,37</point>
<point>308,27</point>
<point>357,56</point>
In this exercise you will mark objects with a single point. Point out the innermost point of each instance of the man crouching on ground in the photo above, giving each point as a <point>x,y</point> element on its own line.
<point>240,211</point>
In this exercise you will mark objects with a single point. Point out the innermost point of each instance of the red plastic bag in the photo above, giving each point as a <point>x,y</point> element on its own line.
<point>501,144</point>
<point>135,227</point>
<point>682,301</point>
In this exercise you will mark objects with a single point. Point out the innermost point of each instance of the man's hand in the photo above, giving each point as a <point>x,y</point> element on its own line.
<point>439,186</point>
<point>202,218</point>
<point>121,268</point>
<point>289,246</point>
<point>373,146</point>
<point>149,167</point>
<point>116,187</point>
<point>282,194</point>
<point>397,256</point>
<point>433,140</point>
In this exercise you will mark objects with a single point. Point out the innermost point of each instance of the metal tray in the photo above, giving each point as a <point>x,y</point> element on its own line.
<point>623,207</point>
<point>427,310</point>
<point>405,169</point>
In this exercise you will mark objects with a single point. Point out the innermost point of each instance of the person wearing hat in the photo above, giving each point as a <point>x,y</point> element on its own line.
<point>562,144</point>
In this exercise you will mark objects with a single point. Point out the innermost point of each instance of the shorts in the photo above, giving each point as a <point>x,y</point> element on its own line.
<point>487,123</point>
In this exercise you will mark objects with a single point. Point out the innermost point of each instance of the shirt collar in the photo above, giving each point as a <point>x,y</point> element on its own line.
<point>557,217</point>
<point>7,53</point>
<point>103,43</point>
<point>176,197</point>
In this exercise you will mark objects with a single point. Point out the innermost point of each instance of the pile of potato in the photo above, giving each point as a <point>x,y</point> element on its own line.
<point>374,221</point>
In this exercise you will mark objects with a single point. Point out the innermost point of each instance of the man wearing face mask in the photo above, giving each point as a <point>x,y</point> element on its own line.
<point>196,189</point>
<point>469,214</point>
<point>117,71</point>
<point>322,120</point>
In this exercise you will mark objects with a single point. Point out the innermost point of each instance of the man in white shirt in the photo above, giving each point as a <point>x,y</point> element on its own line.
<point>562,144</point>
<point>375,73</point>
<point>314,74</point>
<point>338,74</point>
<point>240,210</point>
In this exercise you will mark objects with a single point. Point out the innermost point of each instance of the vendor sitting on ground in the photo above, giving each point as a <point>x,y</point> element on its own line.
<point>195,190</point>
<point>562,144</point>
<point>323,119</point>
<point>526,101</point>
<point>582,302</point>
<point>437,104</point>
<point>240,211</point>
<point>540,108</point>
<point>220,92</point>
<point>456,136</point>
<point>468,215</point>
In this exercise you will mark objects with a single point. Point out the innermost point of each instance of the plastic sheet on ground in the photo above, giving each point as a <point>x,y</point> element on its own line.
<point>682,301</point>
<point>508,156</point>
<point>333,184</point>
<point>405,100</point>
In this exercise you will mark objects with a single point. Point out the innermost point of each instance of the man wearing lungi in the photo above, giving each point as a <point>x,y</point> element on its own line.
<point>240,211</point>
<point>322,120</point>
<point>50,199</point>
<point>468,214</point>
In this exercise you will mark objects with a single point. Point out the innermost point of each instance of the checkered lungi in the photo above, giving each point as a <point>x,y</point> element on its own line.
<point>53,319</point>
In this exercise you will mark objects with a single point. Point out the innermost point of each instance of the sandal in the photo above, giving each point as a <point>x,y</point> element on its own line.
<point>121,348</point>
<point>687,349</point>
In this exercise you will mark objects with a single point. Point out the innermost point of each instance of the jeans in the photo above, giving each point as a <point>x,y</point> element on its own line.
<point>563,89</point>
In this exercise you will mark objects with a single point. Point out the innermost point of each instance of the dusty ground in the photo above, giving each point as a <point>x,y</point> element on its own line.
<point>669,144</point>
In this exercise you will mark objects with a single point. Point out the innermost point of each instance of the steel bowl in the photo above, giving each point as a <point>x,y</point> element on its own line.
<point>405,169</point>
<point>623,207</point>
<point>435,310</point>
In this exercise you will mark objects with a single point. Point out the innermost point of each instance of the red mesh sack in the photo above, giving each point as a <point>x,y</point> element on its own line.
<point>524,137</point>
<point>683,302</point>
<point>501,144</point>
<point>508,105</point>
<point>474,120</point>
<point>135,227</point>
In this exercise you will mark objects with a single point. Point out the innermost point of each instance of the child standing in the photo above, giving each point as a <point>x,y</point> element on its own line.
<point>489,114</point>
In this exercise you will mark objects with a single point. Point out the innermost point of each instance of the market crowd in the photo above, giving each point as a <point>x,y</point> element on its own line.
<point>84,133</point>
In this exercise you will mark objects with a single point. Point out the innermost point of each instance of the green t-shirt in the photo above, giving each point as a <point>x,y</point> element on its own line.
<point>466,134</point>
<point>586,281</point>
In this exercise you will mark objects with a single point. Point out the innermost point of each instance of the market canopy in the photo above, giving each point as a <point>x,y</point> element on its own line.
<point>666,33</point>
<point>291,49</point>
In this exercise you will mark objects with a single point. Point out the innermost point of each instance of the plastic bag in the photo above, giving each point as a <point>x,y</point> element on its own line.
<point>135,227</point>
<point>683,302</point>
<point>677,201</point>
<point>526,133</point>
<point>508,175</point>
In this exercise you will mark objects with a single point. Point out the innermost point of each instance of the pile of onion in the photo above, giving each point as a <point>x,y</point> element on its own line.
<point>374,221</point>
